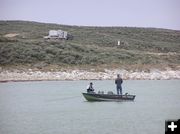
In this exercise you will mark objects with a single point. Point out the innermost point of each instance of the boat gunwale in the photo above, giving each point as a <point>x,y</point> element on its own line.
<point>107,97</point>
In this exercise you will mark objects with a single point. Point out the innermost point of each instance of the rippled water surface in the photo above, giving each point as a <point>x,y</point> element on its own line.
<point>57,107</point>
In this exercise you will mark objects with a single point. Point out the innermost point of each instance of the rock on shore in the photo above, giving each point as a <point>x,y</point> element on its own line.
<point>29,75</point>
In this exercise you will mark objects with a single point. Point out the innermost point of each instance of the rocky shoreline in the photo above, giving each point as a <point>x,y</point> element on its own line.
<point>29,75</point>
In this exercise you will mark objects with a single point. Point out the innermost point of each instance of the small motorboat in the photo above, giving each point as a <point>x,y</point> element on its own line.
<point>108,97</point>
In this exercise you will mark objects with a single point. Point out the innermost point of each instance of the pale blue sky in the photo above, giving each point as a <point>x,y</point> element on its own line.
<point>135,13</point>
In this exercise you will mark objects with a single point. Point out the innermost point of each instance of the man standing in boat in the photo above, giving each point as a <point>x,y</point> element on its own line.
<point>90,88</point>
<point>118,83</point>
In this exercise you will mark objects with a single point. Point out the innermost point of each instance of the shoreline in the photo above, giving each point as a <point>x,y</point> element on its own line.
<point>71,75</point>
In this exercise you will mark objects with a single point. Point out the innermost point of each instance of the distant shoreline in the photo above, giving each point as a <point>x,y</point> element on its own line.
<point>29,75</point>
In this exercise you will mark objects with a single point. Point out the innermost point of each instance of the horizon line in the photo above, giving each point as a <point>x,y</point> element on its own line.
<point>56,23</point>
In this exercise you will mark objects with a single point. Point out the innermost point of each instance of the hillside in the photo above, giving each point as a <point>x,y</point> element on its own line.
<point>22,44</point>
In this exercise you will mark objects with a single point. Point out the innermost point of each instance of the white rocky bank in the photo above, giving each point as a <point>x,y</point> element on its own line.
<point>29,75</point>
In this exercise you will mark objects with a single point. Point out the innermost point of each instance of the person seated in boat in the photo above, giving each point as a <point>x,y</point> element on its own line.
<point>90,88</point>
<point>118,83</point>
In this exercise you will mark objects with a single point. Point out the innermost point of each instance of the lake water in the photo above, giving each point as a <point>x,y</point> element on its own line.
<point>57,107</point>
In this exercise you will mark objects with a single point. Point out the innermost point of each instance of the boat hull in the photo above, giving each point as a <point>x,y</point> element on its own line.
<point>107,97</point>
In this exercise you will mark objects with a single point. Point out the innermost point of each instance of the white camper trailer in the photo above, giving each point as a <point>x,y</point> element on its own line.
<point>53,33</point>
<point>57,34</point>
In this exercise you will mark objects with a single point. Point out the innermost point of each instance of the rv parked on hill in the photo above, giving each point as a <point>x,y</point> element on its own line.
<point>58,34</point>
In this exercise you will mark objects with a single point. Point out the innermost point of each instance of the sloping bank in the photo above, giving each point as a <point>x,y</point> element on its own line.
<point>29,75</point>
